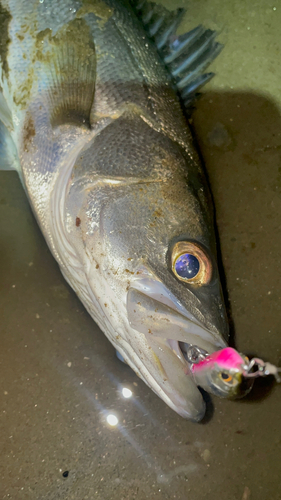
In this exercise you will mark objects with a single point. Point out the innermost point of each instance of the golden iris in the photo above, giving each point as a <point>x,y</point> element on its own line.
<point>190,263</point>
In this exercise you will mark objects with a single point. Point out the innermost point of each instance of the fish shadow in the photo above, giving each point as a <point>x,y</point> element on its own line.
<point>260,391</point>
<point>209,413</point>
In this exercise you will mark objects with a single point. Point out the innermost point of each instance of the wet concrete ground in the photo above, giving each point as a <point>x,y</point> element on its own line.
<point>59,375</point>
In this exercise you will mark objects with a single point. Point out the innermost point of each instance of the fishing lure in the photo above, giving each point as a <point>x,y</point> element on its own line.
<point>227,373</point>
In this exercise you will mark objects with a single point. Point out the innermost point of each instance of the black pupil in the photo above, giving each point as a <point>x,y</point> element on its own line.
<point>187,266</point>
<point>224,375</point>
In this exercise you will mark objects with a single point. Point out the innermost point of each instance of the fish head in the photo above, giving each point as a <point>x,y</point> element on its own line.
<point>222,374</point>
<point>175,300</point>
<point>146,233</point>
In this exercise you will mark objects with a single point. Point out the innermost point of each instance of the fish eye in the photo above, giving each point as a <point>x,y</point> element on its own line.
<point>187,266</point>
<point>226,377</point>
<point>190,263</point>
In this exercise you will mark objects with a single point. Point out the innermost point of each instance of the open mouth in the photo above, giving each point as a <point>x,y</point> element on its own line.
<point>180,349</point>
<point>186,352</point>
<point>163,322</point>
<point>183,347</point>
<point>169,332</point>
<point>177,342</point>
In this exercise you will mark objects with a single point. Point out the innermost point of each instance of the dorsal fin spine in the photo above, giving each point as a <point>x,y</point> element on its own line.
<point>186,56</point>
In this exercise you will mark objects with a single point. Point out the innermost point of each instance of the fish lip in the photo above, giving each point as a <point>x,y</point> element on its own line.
<point>143,281</point>
<point>151,289</point>
<point>160,320</point>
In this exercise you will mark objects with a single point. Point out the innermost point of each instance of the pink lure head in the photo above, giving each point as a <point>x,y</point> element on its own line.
<point>222,374</point>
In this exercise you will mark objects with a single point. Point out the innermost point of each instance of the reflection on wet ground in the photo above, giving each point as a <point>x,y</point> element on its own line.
<point>76,423</point>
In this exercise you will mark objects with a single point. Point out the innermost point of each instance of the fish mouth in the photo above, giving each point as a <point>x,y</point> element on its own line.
<point>169,330</point>
<point>167,321</point>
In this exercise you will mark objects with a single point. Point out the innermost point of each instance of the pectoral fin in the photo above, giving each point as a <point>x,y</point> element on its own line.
<point>65,73</point>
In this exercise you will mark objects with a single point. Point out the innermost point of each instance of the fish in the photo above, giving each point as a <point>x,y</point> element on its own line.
<point>94,97</point>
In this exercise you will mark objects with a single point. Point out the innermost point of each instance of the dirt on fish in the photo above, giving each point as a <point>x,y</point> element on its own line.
<point>28,132</point>
<point>5,18</point>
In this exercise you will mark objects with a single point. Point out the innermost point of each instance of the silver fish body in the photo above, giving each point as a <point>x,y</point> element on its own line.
<point>92,124</point>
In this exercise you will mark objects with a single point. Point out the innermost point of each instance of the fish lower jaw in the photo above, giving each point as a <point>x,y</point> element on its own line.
<point>175,388</point>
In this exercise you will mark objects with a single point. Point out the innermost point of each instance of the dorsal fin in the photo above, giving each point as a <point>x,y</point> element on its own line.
<point>186,56</point>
